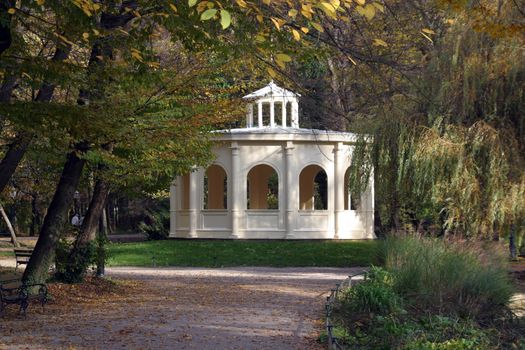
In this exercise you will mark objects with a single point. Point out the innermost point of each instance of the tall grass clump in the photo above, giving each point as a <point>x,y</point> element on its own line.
<point>440,276</point>
<point>375,294</point>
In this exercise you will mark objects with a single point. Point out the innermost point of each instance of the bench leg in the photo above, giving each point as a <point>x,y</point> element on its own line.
<point>23,307</point>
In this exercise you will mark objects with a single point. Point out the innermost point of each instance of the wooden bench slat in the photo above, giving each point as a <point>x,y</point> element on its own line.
<point>22,256</point>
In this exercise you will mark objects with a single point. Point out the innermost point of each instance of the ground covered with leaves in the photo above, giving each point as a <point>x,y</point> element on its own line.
<point>179,308</point>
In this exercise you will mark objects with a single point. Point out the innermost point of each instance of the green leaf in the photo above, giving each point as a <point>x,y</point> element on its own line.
<point>317,26</point>
<point>272,72</point>
<point>208,14</point>
<point>192,3</point>
<point>379,42</point>
<point>368,11</point>
<point>328,9</point>
<point>283,57</point>
<point>226,19</point>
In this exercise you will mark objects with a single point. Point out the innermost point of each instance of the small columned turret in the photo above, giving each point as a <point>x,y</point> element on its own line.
<point>282,108</point>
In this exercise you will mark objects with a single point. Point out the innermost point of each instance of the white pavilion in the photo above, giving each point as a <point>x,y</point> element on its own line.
<point>273,180</point>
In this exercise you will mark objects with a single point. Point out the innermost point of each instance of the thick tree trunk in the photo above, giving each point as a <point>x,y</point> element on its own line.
<point>9,227</point>
<point>91,220</point>
<point>13,156</point>
<point>77,261</point>
<point>56,217</point>
<point>20,144</point>
<point>81,253</point>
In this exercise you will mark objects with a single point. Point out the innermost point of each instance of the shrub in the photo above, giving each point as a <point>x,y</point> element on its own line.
<point>447,277</point>
<point>72,269</point>
<point>374,295</point>
<point>432,294</point>
<point>156,224</point>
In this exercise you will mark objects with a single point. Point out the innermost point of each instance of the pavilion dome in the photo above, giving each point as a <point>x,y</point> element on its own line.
<point>272,90</point>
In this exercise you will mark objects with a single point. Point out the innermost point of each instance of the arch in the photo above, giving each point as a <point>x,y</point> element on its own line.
<point>262,187</point>
<point>215,188</point>
<point>352,200</point>
<point>313,188</point>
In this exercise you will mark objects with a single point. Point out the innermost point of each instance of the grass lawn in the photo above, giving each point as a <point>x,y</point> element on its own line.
<point>215,253</point>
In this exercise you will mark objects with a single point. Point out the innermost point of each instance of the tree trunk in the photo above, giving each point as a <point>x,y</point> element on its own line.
<point>9,227</point>
<point>512,243</point>
<point>20,144</point>
<point>338,122</point>
<point>81,254</point>
<point>91,220</point>
<point>103,236</point>
<point>7,88</point>
<point>56,217</point>
<point>13,156</point>
<point>107,212</point>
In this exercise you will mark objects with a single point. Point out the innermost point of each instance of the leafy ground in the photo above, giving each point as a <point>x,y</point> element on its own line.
<point>180,308</point>
<point>219,253</point>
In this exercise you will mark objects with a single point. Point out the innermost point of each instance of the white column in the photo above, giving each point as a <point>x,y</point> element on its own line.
<point>259,114</point>
<point>339,181</point>
<point>291,185</point>
<point>283,109</point>
<point>249,116</point>
<point>236,191</point>
<point>272,113</point>
<point>295,114</point>
<point>173,208</point>
<point>193,204</point>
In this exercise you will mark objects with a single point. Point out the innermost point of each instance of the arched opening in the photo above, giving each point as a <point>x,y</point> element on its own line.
<point>185,191</point>
<point>313,188</point>
<point>215,188</point>
<point>263,188</point>
<point>352,200</point>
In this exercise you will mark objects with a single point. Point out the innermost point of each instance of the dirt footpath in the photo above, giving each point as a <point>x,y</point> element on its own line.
<point>185,308</point>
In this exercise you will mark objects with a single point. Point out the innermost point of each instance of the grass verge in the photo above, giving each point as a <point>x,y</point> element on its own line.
<point>216,253</point>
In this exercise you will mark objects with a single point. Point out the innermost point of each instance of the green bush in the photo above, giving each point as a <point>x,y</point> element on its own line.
<point>374,295</point>
<point>156,224</point>
<point>71,269</point>
<point>431,294</point>
<point>449,278</point>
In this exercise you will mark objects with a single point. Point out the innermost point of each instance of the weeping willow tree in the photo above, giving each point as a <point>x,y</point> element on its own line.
<point>475,175</point>
<point>450,154</point>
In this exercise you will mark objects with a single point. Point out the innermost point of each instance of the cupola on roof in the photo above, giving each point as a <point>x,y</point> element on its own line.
<point>272,90</point>
<point>266,100</point>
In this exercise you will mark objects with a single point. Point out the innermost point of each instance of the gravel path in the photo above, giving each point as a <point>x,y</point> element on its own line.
<point>189,308</point>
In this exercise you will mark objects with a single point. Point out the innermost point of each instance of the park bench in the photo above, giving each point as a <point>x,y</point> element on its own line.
<point>22,256</point>
<point>17,292</point>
